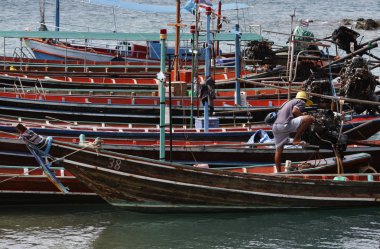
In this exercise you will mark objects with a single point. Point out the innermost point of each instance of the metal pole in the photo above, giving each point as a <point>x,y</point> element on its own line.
<point>192,31</point>
<point>290,37</point>
<point>207,64</point>
<point>66,57</point>
<point>291,43</point>
<point>289,70</point>
<point>197,18</point>
<point>170,116</point>
<point>163,36</point>
<point>237,66</point>
<point>4,52</point>
<point>114,20</point>
<point>57,15</point>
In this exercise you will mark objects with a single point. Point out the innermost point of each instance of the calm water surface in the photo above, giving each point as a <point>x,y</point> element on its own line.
<point>101,226</point>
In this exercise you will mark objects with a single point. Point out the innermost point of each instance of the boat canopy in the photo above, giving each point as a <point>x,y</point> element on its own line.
<point>122,36</point>
<point>155,8</point>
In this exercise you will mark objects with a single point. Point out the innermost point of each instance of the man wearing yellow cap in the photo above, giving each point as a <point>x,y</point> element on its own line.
<point>290,119</point>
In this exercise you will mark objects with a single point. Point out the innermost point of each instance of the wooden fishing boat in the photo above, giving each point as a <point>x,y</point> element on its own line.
<point>184,101</point>
<point>249,93</point>
<point>222,155</point>
<point>354,163</point>
<point>105,76</point>
<point>142,184</point>
<point>214,154</point>
<point>53,127</point>
<point>53,50</point>
<point>23,80</point>
<point>29,185</point>
<point>21,184</point>
<point>25,61</point>
<point>239,133</point>
<point>124,113</point>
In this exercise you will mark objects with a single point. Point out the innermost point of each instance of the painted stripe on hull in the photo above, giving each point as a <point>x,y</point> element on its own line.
<point>45,192</point>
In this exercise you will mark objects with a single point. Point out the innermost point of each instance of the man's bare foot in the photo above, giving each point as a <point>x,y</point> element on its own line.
<point>299,142</point>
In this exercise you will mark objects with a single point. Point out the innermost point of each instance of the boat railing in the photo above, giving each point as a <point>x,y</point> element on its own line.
<point>22,52</point>
<point>255,28</point>
<point>61,28</point>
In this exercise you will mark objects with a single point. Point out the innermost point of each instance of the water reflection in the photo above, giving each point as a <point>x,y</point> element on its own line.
<point>101,226</point>
<point>323,229</point>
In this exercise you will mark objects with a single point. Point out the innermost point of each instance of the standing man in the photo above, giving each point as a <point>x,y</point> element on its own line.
<point>290,118</point>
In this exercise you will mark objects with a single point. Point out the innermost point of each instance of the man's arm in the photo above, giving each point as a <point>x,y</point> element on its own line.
<point>296,112</point>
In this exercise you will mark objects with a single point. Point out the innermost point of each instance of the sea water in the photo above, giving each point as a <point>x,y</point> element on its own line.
<point>102,226</point>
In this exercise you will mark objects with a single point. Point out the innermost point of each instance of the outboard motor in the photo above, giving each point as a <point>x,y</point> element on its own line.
<point>320,85</point>
<point>343,37</point>
<point>326,130</point>
<point>357,82</point>
<point>259,50</point>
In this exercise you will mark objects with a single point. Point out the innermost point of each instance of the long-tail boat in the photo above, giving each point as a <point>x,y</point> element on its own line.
<point>220,101</point>
<point>23,181</point>
<point>141,184</point>
<point>103,77</point>
<point>114,111</point>
<point>360,127</point>
<point>26,183</point>
<point>13,152</point>
<point>53,50</point>
<point>20,184</point>
<point>213,153</point>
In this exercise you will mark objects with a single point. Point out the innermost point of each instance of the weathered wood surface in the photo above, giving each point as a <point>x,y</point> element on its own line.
<point>149,185</point>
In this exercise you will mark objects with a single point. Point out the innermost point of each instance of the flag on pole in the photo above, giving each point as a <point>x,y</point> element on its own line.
<point>190,5</point>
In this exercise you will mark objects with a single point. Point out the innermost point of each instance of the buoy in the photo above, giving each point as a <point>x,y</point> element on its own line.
<point>288,165</point>
<point>370,178</point>
<point>340,178</point>
<point>82,139</point>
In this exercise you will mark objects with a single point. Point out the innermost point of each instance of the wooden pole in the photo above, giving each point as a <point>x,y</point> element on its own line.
<point>359,51</point>
<point>218,26</point>
<point>359,101</point>
<point>177,41</point>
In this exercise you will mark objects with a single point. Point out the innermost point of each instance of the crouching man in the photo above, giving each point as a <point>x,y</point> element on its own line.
<point>290,118</point>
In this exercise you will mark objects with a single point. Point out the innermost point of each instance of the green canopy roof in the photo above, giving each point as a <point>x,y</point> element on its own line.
<point>120,36</point>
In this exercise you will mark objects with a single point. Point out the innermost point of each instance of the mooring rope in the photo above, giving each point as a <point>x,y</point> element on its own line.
<point>89,145</point>
<point>18,175</point>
